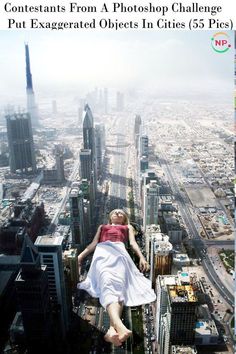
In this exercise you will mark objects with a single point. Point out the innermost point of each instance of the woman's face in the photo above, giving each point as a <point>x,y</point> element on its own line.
<point>117,217</point>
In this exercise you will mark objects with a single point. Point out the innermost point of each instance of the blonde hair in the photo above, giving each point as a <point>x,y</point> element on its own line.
<point>126,219</point>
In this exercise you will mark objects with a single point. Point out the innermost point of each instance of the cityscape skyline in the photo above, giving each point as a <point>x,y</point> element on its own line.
<point>72,63</point>
<point>164,157</point>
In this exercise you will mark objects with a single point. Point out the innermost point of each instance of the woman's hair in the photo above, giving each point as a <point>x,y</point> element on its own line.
<point>126,219</point>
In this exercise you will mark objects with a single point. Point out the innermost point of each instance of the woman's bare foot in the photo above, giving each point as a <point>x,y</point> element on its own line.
<point>123,332</point>
<point>113,337</point>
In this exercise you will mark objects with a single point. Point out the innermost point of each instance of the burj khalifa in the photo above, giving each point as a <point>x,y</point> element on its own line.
<point>32,108</point>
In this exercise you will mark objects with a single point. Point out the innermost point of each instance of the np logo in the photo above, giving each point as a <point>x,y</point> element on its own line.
<point>220,42</point>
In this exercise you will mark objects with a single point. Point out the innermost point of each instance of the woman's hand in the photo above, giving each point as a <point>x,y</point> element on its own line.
<point>143,265</point>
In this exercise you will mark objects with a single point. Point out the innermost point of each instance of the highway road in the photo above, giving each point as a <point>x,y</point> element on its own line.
<point>119,168</point>
<point>220,243</point>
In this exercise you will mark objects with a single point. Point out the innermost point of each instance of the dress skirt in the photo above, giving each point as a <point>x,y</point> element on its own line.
<point>113,277</point>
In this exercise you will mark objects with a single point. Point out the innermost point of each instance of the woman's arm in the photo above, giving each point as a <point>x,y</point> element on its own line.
<point>143,264</point>
<point>90,248</point>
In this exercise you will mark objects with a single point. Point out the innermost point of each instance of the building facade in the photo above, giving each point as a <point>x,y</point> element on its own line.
<point>176,310</point>
<point>20,142</point>
<point>150,204</point>
<point>85,164</point>
<point>77,217</point>
<point>50,251</point>
<point>34,301</point>
<point>161,255</point>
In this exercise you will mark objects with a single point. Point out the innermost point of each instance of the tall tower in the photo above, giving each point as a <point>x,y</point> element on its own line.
<point>77,217</point>
<point>50,250</point>
<point>31,104</point>
<point>85,164</point>
<point>151,203</point>
<point>176,306</point>
<point>143,145</point>
<point>182,305</point>
<point>161,257</point>
<point>20,141</point>
<point>34,301</point>
<point>89,142</point>
<point>85,188</point>
<point>88,131</point>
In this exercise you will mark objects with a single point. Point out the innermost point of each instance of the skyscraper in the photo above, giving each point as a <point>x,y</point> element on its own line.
<point>88,131</point>
<point>144,164</point>
<point>161,258</point>
<point>175,311</point>
<point>87,217</point>
<point>21,144</point>
<point>50,251</point>
<point>70,260</point>
<point>143,145</point>
<point>85,164</point>
<point>33,299</point>
<point>182,304</point>
<point>89,143</point>
<point>31,105</point>
<point>142,149</point>
<point>151,203</point>
<point>77,217</point>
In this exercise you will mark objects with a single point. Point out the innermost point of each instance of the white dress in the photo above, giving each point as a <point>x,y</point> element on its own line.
<point>113,277</point>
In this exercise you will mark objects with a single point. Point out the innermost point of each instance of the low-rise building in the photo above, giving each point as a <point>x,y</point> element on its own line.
<point>181,260</point>
<point>206,332</point>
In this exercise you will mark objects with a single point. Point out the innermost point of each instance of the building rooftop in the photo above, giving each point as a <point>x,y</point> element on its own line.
<point>161,243</point>
<point>205,325</point>
<point>48,240</point>
<point>182,257</point>
<point>71,253</point>
<point>182,293</point>
<point>206,328</point>
<point>85,152</point>
<point>74,192</point>
<point>167,280</point>
<point>179,349</point>
<point>31,191</point>
<point>154,229</point>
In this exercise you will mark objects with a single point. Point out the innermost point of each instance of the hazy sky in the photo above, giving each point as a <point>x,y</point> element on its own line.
<point>125,59</point>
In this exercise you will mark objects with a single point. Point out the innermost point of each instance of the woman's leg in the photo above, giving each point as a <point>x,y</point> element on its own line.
<point>115,311</point>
